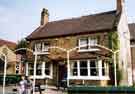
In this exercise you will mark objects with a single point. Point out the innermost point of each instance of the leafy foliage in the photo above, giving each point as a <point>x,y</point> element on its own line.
<point>114,44</point>
<point>22,44</point>
<point>113,41</point>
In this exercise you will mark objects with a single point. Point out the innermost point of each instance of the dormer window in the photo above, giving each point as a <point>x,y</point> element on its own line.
<point>86,43</point>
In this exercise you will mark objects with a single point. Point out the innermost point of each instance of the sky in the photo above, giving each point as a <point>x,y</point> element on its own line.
<point>19,18</point>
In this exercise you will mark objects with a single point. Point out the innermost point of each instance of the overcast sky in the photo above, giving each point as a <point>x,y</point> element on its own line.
<point>18,18</point>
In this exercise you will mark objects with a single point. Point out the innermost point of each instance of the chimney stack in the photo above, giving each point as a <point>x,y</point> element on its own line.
<point>44,17</point>
<point>120,5</point>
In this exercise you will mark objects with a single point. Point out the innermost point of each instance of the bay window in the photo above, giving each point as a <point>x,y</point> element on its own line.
<point>82,69</point>
<point>43,69</point>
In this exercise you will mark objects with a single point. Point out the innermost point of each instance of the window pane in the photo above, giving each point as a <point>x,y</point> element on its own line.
<point>47,68</point>
<point>93,41</point>
<point>103,69</point>
<point>39,69</point>
<point>83,42</point>
<point>45,46</point>
<point>73,67</point>
<point>93,68</point>
<point>38,47</point>
<point>31,67</point>
<point>83,68</point>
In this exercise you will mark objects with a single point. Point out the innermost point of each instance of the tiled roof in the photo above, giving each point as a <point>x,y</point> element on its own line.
<point>10,44</point>
<point>84,24</point>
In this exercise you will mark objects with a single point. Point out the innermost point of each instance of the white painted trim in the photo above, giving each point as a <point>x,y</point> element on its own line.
<point>88,50</point>
<point>100,67</point>
<point>41,53</point>
<point>89,78</point>
<point>78,67</point>
<point>41,77</point>
<point>27,70</point>
<point>51,70</point>
<point>43,68</point>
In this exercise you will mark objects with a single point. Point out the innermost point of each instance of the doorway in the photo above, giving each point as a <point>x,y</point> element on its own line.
<point>62,74</point>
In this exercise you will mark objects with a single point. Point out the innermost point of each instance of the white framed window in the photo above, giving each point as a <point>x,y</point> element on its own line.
<point>86,43</point>
<point>89,69</point>
<point>43,70</point>
<point>83,68</point>
<point>83,44</point>
<point>38,47</point>
<point>42,46</point>
<point>92,41</point>
<point>48,69</point>
<point>94,68</point>
<point>45,46</point>
<point>73,66</point>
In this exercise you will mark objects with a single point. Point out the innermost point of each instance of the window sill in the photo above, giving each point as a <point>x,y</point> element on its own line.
<point>88,50</point>
<point>41,77</point>
<point>41,53</point>
<point>89,78</point>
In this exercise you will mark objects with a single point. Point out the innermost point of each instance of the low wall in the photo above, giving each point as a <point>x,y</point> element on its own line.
<point>100,90</point>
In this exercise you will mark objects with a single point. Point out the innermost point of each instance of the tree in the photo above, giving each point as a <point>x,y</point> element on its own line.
<point>22,44</point>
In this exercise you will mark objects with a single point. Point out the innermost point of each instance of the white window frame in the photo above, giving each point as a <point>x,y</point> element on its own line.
<point>43,49</point>
<point>89,77</point>
<point>37,49</point>
<point>85,45</point>
<point>43,75</point>
<point>89,41</point>
<point>51,71</point>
